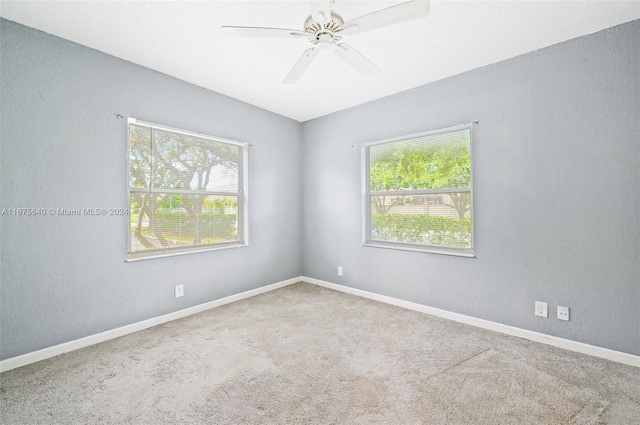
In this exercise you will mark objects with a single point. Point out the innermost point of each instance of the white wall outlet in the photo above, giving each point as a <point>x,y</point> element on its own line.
<point>179,291</point>
<point>563,313</point>
<point>339,270</point>
<point>541,309</point>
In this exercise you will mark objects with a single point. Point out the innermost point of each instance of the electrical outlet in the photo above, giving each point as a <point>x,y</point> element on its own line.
<point>179,289</point>
<point>541,309</point>
<point>339,270</point>
<point>563,313</point>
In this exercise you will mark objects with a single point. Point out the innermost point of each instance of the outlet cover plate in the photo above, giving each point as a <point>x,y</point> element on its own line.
<point>541,309</point>
<point>563,313</point>
<point>179,290</point>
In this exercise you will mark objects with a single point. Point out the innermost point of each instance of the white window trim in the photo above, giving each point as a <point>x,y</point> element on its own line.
<point>243,201</point>
<point>366,203</point>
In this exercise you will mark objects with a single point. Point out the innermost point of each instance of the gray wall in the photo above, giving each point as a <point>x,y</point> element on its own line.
<point>62,146</point>
<point>556,162</point>
<point>557,157</point>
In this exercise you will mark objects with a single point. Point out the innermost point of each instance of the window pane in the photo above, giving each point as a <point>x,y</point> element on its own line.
<point>185,190</point>
<point>139,156</point>
<point>439,161</point>
<point>161,221</point>
<point>181,161</point>
<point>441,220</point>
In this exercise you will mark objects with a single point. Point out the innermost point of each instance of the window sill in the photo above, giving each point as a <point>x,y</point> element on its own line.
<point>422,248</point>
<point>148,255</point>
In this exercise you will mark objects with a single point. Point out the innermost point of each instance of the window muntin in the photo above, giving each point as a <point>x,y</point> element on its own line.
<point>187,191</point>
<point>418,192</point>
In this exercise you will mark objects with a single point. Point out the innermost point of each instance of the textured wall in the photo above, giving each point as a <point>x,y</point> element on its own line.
<point>557,165</point>
<point>62,146</point>
<point>557,157</point>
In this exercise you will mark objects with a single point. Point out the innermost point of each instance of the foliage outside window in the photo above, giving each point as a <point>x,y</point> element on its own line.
<point>186,191</point>
<point>418,192</point>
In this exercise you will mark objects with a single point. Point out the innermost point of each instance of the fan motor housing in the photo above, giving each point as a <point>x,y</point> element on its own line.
<point>324,34</point>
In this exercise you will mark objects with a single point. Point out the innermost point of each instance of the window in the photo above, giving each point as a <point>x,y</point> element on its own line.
<point>187,191</point>
<point>417,192</point>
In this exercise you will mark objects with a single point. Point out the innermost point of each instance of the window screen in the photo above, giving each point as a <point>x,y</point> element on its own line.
<point>418,192</point>
<point>186,191</point>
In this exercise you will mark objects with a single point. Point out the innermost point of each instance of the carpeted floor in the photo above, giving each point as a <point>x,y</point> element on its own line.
<point>308,355</point>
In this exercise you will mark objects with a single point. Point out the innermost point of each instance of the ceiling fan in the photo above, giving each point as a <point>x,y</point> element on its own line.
<point>324,29</point>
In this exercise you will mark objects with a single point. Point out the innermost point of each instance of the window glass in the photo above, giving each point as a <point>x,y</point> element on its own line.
<point>419,193</point>
<point>186,191</point>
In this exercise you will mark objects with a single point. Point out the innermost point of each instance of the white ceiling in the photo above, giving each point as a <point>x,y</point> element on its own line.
<point>184,39</point>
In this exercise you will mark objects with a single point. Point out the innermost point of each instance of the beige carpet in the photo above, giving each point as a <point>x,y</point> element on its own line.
<point>308,355</point>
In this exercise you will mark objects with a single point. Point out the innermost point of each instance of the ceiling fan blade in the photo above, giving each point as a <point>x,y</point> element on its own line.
<point>355,59</point>
<point>301,66</point>
<point>402,12</point>
<point>321,10</point>
<point>261,32</point>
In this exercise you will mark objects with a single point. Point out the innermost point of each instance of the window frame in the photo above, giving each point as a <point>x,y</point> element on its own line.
<point>242,194</point>
<point>367,239</point>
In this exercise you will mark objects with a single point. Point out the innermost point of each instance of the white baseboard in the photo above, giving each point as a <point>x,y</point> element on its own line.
<point>567,344</point>
<point>77,344</point>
